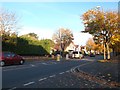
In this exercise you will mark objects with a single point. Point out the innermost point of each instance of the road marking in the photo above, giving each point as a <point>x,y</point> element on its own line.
<point>88,60</point>
<point>73,69</point>
<point>16,68</point>
<point>45,64</point>
<point>61,72</point>
<point>28,83</point>
<point>54,63</point>
<point>52,76</point>
<point>68,71</point>
<point>32,65</point>
<point>42,79</point>
<point>12,88</point>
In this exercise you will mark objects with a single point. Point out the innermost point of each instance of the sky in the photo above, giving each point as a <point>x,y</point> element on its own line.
<point>45,18</point>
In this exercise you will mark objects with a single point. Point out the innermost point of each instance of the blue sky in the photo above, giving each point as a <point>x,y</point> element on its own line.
<point>44,18</point>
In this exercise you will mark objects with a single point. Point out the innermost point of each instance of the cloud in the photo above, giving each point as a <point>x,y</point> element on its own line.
<point>81,38</point>
<point>46,33</point>
<point>43,33</point>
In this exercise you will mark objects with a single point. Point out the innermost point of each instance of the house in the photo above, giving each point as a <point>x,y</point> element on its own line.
<point>72,47</point>
<point>83,48</point>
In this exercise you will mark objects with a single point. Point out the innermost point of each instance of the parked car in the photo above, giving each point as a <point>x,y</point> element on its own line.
<point>10,58</point>
<point>77,54</point>
<point>92,55</point>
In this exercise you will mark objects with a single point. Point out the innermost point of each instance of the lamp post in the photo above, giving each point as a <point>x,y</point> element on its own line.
<point>60,41</point>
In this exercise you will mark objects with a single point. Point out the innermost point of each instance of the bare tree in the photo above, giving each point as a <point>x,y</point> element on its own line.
<point>63,37</point>
<point>8,24</point>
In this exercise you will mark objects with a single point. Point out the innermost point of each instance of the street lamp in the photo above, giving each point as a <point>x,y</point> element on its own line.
<point>60,41</point>
<point>98,7</point>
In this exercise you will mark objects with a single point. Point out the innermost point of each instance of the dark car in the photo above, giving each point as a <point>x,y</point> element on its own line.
<point>92,55</point>
<point>10,58</point>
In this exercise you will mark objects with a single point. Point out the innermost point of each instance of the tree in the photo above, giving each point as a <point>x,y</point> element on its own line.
<point>91,45</point>
<point>8,25</point>
<point>115,43</point>
<point>102,25</point>
<point>47,44</point>
<point>33,35</point>
<point>63,37</point>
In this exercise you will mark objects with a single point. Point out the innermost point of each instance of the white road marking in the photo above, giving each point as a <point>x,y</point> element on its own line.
<point>45,64</point>
<point>52,76</point>
<point>12,88</point>
<point>73,69</point>
<point>16,68</point>
<point>61,72</point>
<point>32,65</point>
<point>88,60</point>
<point>54,63</point>
<point>28,83</point>
<point>68,71</point>
<point>42,79</point>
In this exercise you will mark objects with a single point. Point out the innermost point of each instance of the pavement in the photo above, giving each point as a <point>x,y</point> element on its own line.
<point>107,71</point>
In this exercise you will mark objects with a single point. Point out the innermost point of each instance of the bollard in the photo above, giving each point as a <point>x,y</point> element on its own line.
<point>67,57</point>
<point>58,57</point>
<point>53,57</point>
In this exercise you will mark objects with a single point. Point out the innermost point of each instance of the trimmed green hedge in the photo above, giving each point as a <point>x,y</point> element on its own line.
<point>28,46</point>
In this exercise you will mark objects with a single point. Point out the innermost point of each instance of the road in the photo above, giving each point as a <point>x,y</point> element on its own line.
<point>47,74</point>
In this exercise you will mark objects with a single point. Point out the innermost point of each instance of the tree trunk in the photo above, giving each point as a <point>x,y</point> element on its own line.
<point>108,51</point>
<point>113,51</point>
<point>104,52</point>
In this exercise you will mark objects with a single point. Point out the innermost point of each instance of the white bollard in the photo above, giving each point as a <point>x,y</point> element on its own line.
<point>67,57</point>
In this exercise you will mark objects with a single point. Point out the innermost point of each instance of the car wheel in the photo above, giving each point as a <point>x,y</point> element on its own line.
<point>21,62</point>
<point>2,63</point>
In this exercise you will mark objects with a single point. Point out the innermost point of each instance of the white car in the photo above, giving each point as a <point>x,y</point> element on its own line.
<point>77,54</point>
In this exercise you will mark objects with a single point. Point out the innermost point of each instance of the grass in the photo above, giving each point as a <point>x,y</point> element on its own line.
<point>114,59</point>
<point>103,61</point>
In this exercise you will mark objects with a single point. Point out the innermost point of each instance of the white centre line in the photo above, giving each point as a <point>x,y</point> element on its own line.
<point>28,83</point>
<point>32,65</point>
<point>12,88</point>
<point>67,71</point>
<point>42,79</point>
<point>52,76</point>
<point>45,64</point>
<point>61,72</point>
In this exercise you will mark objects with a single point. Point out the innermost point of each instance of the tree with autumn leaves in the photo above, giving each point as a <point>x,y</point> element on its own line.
<point>104,28</point>
<point>91,45</point>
